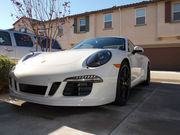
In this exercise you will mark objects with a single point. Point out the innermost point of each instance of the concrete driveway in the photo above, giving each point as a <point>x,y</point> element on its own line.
<point>152,110</point>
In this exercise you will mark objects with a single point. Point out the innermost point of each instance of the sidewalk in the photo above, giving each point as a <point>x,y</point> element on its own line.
<point>167,76</point>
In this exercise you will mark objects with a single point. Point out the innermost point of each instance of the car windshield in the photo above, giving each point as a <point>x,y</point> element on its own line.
<point>102,43</point>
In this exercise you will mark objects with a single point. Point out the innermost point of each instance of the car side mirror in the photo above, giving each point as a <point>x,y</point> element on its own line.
<point>138,49</point>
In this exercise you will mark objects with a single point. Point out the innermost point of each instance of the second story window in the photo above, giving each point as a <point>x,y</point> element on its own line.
<point>108,21</point>
<point>141,16</point>
<point>24,30</point>
<point>82,25</point>
<point>176,12</point>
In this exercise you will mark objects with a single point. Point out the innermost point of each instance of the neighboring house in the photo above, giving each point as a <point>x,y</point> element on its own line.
<point>23,25</point>
<point>154,25</point>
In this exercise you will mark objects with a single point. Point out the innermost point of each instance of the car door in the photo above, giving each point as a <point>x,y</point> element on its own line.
<point>6,45</point>
<point>24,44</point>
<point>135,64</point>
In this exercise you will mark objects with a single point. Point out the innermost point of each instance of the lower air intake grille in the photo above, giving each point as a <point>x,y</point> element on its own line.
<point>77,88</point>
<point>33,89</point>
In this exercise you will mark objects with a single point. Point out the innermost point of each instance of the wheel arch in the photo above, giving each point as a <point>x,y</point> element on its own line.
<point>129,64</point>
<point>118,91</point>
<point>126,60</point>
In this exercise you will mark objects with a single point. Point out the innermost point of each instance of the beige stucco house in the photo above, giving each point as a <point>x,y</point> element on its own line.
<point>154,25</point>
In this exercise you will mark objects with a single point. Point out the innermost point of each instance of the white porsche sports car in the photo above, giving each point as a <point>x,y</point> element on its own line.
<point>95,72</point>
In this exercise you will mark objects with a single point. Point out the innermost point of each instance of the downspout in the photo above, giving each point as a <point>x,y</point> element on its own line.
<point>94,25</point>
<point>120,22</point>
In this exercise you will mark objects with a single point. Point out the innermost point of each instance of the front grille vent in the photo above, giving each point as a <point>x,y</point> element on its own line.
<point>54,88</point>
<point>33,89</point>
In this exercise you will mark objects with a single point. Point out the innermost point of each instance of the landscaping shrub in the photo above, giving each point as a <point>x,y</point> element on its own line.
<point>5,67</point>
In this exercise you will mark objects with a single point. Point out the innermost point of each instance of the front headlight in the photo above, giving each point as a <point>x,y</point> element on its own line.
<point>99,58</point>
<point>29,56</point>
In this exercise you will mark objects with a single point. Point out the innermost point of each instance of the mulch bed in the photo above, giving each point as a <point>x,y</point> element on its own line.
<point>4,89</point>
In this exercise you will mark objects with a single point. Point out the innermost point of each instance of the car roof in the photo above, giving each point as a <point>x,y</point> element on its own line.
<point>33,35</point>
<point>13,31</point>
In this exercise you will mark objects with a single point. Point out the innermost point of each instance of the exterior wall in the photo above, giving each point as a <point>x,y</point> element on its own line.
<point>70,38</point>
<point>154,32</point>
<point>142,34</point>
<point>166,29</point>
<point>23,23</point>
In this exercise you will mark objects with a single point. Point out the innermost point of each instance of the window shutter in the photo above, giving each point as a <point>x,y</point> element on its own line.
<point>168,12</point>
<point>75,25</point>
<point>87,23</point>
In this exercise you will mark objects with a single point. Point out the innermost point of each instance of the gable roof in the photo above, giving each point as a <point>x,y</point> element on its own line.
<point>24,18</point>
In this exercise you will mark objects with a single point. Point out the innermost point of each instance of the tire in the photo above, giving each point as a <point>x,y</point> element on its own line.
<point>123,84</point>
<point>147,81</point>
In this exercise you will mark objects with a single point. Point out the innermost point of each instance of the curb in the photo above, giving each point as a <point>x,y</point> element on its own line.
<point>166,76</point>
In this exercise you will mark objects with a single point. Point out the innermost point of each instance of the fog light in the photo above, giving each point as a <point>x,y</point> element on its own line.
<point>85,78</point>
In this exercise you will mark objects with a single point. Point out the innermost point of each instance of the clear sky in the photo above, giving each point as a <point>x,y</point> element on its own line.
<point>77,6</point>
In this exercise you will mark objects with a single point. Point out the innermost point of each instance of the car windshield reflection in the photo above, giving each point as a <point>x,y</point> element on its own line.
<point>102,43</point>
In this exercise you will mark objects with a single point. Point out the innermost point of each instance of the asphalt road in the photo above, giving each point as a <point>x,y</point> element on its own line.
<point>152,110</point>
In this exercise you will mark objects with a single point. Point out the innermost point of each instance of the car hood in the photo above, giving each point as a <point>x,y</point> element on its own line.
<point>61,58</point>
<point>56,61</point>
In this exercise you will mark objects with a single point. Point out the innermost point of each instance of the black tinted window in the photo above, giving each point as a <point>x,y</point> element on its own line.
<point>55,44</point>
<point>23,40</point>
<point>103,43</point>
<point>5,38</point>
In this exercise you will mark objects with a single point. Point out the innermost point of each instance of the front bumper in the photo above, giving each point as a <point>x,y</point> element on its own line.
<point>101,93</point>
<point>98,96</point>
<point>61,101</point>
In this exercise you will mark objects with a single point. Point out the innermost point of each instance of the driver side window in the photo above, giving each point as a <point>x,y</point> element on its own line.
<point>130,46</point>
